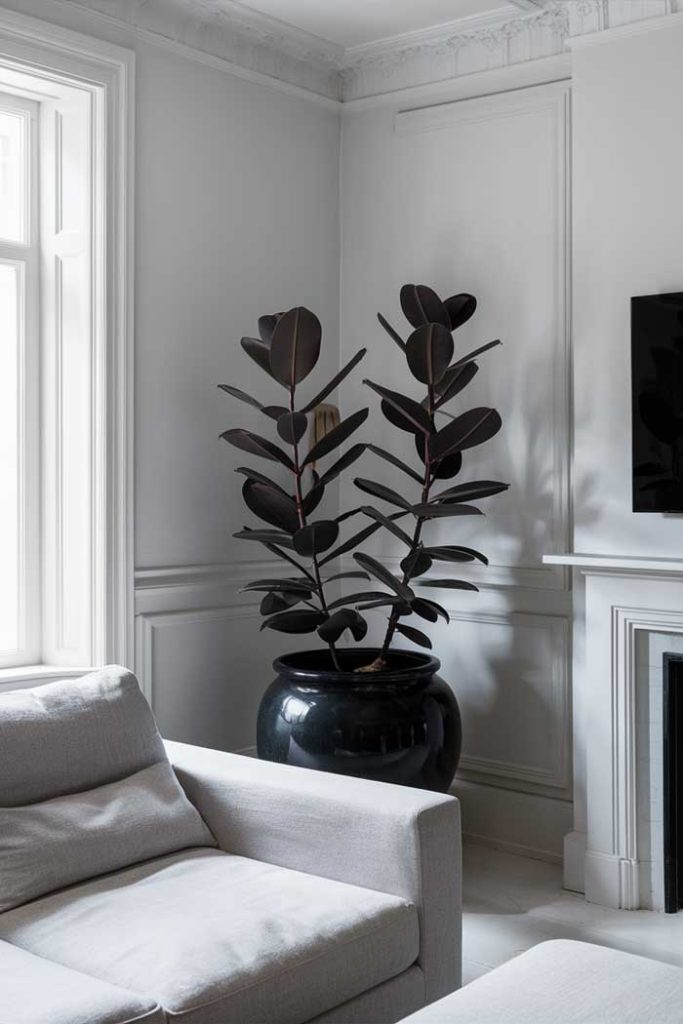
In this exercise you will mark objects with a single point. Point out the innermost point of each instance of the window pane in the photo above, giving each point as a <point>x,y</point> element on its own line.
<point>13,175</point>
<point>10,284</point>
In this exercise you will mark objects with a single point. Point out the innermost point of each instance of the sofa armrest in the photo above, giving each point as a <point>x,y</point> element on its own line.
<point>394,839</point>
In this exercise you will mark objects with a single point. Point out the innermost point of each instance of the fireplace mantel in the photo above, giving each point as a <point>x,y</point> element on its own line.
<point>618,564</point>
<point>624,594</point>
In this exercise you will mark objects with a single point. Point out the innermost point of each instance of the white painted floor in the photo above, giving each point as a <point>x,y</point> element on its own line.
<point>512,903</point>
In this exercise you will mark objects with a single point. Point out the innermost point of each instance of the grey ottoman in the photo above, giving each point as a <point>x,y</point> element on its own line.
<point>565,982</point>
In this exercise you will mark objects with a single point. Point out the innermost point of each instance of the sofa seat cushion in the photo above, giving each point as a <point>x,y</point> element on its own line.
<point>215,937</point>
<point>37,991</point>
<point>566,982</point>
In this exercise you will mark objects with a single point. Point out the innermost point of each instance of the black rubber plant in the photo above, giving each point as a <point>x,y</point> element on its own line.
<point>430,354</point>
<point>287,350</point>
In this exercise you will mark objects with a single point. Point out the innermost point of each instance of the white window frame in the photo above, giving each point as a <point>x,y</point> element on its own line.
<point>25,255</point>
<point>30,48</point>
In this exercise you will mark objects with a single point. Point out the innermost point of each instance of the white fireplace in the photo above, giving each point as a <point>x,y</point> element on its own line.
<point>633,613</point>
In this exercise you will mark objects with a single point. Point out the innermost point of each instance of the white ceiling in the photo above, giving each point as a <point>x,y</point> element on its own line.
<point>348,23</point>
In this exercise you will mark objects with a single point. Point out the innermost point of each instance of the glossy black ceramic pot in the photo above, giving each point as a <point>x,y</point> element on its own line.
<point>400,725</point>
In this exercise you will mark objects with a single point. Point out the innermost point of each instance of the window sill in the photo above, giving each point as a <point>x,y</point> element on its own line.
<point>34,675</point>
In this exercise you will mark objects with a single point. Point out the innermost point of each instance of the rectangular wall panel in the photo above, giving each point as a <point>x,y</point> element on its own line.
<point>474,196</point>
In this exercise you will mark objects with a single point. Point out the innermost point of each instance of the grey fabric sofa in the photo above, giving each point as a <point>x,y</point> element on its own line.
<point>247,893</point>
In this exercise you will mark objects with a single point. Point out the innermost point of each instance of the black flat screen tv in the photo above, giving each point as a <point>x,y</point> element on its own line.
<point>657,402</point>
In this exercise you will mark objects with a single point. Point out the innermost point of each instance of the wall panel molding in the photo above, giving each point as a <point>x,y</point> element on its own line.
<point>217,584</point>
<point>149,625</point>
<point>549,101</point>
<point>555,778</point>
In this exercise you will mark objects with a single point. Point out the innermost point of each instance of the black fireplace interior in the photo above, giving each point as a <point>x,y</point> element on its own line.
<point>673,782</point>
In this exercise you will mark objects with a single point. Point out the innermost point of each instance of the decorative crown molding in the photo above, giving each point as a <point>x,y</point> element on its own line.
<point>543,28</point>
<point>231,32</point>
<point>226,33</point>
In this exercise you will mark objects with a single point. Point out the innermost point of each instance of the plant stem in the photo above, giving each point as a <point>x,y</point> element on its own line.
<point>426,484</point>
<point>298,471</point>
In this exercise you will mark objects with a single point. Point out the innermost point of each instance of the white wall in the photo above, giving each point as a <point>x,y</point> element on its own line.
<point>472,196</point>
<point>236,214</point>
<point>628,240</point>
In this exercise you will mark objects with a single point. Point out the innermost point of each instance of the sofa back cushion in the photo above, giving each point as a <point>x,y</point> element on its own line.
<point>71,736</point>
<point>48,845</point>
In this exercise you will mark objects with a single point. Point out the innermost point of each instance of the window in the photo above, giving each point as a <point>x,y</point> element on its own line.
<point>66,246</point>
<point>20,604</point>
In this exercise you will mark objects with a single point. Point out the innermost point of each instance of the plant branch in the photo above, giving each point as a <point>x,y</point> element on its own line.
<point>298,472</point>
<point>426,484</point>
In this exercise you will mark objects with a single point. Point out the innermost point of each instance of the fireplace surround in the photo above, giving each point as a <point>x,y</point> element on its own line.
<point>627,602</point>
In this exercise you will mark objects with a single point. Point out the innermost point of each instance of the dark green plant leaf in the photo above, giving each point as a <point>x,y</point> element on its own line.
<point>471,428</point>
<point>335,382</point>
<point>472,491</point>
<point>275,550</point>
<point>266,326</point>
<point>313,498</point>
<point>259,352</point>
<point>437,511</point>
<point>421,305</point>
<point>454,380</point>
<point>275,411</point>
<point>303,587</point>
<point>429,610</point>
<point>359,575</point>
<point>416,635</point>
<point>336,436</point>
<point>272,603</point>
<point>397,419</point>
<point>257,445</point>
<point>346,618</point>
<point>347,459</point>
<point>388,457</point>
<point>295,346</point>
<point>242,395</point>
<point>416,563</point>
<point>384,576</point>
<point>460,308</point>
<point>449,584</point>
<point>389,602</point>
<point>476,352</point>
<point>349,599</point>
<point>387,523</point>
<point>429,350</point>
<point>253,474</point>
<point>422,608</point>
<point>444,469</point>
<point>300,620</point>
<point>291,426</point>
<point>265,536</point>
<point>348,514</point>
<point>351,543</point>
<point>394,335</point>
<point>271,505</point>
<point>456,553</point>
<point>315,538</point>
<point>409,409</point>
<point>380,491</point>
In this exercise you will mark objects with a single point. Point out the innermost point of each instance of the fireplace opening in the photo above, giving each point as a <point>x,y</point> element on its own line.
<point>673,782</point>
